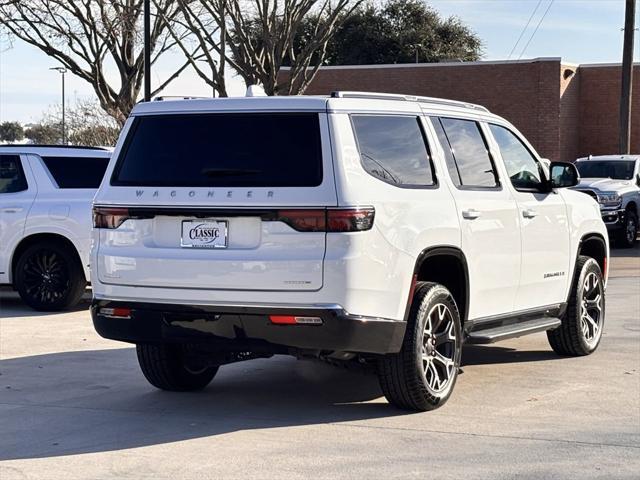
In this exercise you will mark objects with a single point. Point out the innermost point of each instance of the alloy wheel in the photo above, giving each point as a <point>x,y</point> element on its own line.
<point>46,276</point>
<point>439,346</point>
<point>591,306</point>
<point>631,230</point>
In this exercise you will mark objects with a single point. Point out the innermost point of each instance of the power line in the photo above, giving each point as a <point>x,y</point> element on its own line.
<point>536,29</point>
<point>524,29</point>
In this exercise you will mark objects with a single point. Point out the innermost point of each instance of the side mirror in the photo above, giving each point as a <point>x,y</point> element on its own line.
<point>563,174</point>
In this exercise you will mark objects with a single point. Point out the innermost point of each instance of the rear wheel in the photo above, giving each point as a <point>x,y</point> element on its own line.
<point>581,329</point>
<point>49,277</point>
<point>422,375</point>
<point>627,236</point>
<point>168,367</point>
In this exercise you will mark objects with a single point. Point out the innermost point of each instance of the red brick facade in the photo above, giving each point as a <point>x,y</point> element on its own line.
<point>564,110</point>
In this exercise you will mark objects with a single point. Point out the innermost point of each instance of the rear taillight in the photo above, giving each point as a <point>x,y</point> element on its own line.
<point>329,220</point>
<point>109,217</point>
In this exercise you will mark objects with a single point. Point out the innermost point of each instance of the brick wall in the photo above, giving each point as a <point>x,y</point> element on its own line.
<point>599,110</point>
<point>564,110</point>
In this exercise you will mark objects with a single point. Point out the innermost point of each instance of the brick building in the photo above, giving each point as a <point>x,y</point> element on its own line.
<point>565,110</point>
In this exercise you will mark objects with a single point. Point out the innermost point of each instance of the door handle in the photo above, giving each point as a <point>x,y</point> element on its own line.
<point>12,209</point>
<point>471,214</point>
<point>529,213</point>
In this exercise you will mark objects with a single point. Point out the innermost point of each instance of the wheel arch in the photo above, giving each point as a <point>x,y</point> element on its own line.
<point>446,265</point>
<point>593,245</point>
<point>35,238</point>
<point>632,206</point>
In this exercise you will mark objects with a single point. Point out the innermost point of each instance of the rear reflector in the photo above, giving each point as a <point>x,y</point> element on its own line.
<point>115,312</point>
<point>294,320</point>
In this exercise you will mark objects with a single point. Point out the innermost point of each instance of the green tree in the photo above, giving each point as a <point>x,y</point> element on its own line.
<point>400,31</point>
<point>11,131</point>
<point>44,133</point>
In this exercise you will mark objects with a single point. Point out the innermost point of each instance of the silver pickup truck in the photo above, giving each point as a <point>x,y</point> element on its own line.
<point>614,182</point>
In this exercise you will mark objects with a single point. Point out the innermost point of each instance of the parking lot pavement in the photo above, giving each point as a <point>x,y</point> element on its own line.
<point>73,405</point>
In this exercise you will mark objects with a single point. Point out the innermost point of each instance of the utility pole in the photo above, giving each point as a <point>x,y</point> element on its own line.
<point>147,50</point>
<point>627,77</point>
<point>62,70</point>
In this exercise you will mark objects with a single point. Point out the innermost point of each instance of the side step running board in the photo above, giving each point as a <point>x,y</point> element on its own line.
<point>503,332</point>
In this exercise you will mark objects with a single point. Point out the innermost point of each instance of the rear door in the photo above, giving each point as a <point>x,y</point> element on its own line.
<point>231,201</point>
<point>17,193</point>
<point>488,217</point>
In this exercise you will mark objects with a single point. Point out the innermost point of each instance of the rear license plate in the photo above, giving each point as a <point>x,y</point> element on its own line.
<point>204,234</point>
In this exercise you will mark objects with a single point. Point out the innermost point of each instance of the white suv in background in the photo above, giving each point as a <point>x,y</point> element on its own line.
<point>384,228</point>
<point>45,220</point>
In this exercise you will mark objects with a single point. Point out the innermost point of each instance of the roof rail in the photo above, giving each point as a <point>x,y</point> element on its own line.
<point>407,98</point>
<point>176,97</point>
<point>45,145</point>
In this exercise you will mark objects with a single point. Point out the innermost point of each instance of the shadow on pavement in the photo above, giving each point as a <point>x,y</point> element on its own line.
<point>489,355</point>
<point>12,306</point>
<point>94,401</point>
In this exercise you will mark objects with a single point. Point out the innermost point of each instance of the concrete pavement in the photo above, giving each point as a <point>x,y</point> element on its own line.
<point>73,405</point>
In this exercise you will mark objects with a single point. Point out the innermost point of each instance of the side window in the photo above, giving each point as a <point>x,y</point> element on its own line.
<point>12,177</point>
<point>393,149</point>
<point>77,172</point>
<point>469,150</point>
<point>522,167</point>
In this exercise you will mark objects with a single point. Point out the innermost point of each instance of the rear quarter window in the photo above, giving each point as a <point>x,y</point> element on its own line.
<point>76,172</point>
<point>222,150</point>
<point>393,149</point>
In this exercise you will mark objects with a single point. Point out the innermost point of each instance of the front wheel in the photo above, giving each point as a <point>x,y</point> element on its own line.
<point>422,375</point>
<point>627,235</point>
<point>168,367</point>
<point>581,329</point>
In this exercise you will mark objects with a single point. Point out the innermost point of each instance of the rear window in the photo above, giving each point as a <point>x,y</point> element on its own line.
<point>76,172</point>
<point>222,150</point>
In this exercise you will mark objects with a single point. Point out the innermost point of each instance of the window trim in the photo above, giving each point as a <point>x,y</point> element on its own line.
<point>496,188</point>
<point>419,119</point>
<point>545,180</point>
<point>20,169</point>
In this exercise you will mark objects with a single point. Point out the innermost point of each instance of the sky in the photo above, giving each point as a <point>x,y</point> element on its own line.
<point>579,31</point>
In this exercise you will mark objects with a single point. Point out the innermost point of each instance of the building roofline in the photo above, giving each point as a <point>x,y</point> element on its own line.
<point>604,65</point>
<point>439,64</point>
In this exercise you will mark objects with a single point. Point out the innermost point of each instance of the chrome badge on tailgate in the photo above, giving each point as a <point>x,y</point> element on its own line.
<point>204,234</point>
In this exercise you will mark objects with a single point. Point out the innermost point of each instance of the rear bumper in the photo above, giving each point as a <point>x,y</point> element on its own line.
<point>248,328</point>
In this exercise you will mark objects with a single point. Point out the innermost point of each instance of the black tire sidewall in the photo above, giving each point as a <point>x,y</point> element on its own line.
<point>590,266</point>
<point>434,295</point>
<point>77,282</point>
<point>630,215</point>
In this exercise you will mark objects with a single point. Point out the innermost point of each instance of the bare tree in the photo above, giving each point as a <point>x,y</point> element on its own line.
<point>257,37</point>
<point>205,49</point>
<point>90,36</point>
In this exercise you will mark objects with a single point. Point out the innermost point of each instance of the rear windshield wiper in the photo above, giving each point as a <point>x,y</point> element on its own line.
<point>224,172</point>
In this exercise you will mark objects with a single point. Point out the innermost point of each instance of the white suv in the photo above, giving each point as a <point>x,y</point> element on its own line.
<point>383,228</point>
<point>45,220</point>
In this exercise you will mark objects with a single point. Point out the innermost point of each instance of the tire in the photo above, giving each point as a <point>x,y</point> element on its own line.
<point>626,237</point>
<point>164,366</point>
<point>579,334</point>
<point>49,277</point>
<point>408,378</point>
